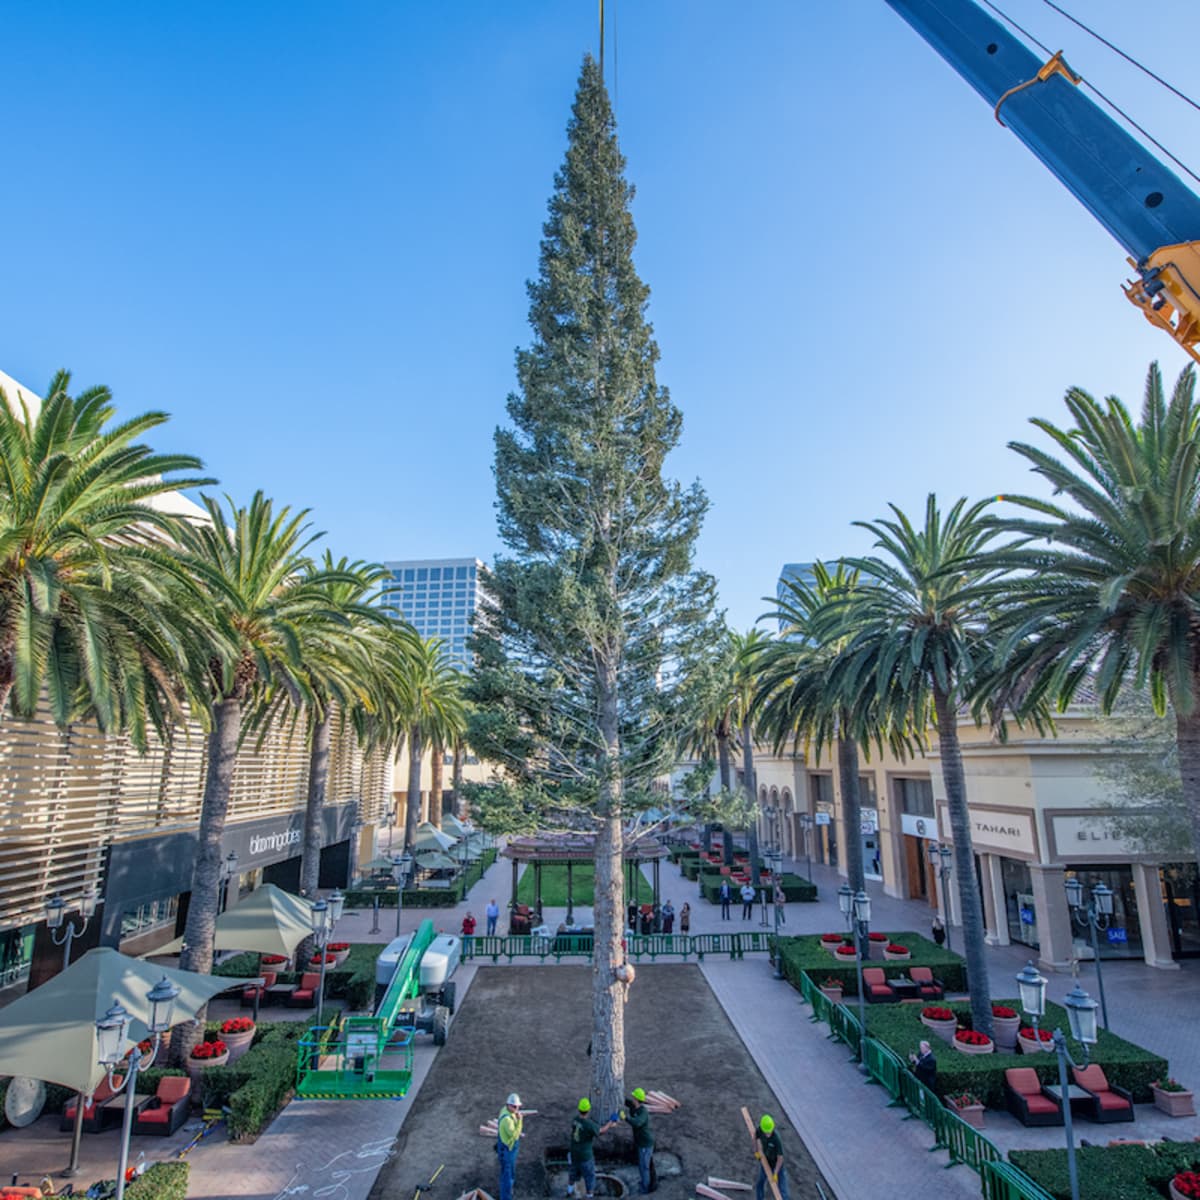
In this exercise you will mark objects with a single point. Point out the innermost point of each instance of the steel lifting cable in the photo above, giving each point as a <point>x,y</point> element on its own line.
<point>1091,87</point>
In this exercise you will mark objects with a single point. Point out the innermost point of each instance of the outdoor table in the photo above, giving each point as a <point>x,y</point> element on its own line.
<point>906,989</point>
<point>1077,1096</point>
<point>114,1110</point>
<point>278,993</point>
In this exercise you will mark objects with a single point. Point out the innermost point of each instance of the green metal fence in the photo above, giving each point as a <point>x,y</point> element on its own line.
<point>642,946</point>
<point>1003,1181</point>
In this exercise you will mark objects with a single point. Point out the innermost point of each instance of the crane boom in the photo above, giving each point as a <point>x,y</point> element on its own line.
<point>1150,211</point>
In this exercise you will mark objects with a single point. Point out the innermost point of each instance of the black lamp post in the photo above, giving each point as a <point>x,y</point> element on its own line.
<point>111,1034</point>
<point>856,908</point>
<point>939,860</point>
<point>401,865</point>
<point>805,828</point>
<point>774,859</point>
<point>1081,1015</point>
<point>55,907</point>
<point>325,915</point>
<point>1095,914</point>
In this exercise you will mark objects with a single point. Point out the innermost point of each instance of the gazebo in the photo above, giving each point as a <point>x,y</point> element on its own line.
<point>572,848</point>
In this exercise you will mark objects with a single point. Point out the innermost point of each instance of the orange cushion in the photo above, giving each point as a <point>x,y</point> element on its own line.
<point>1024,1080</point>
<point>156,1116</point>
<point>1092,1078</point>
<point>920,975</point>
<point>1111,1100</point>
<point>1040,1104</point>
<point>173,1087</point>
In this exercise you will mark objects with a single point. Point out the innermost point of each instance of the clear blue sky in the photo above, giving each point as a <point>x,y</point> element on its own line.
<point>304,229</point>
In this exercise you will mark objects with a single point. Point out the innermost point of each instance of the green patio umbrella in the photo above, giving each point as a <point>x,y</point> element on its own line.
<point>269,921</point>
<point>378,864</point>
<point>434,860</point>
<point>430,837</point>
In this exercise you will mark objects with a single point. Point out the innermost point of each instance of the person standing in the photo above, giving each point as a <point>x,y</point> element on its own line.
<point>924,1065</point>
<point>584,1132</point>
<point>768,1149</point>
<point>668,918</point>
<point>685,918</point>
<point>508,1143</point>
<point>780,900</point>
<point>638,1117</point>
<point>747,901</point>
<point>468,925</point>
<point>492,912</point>
<point>726,896</point>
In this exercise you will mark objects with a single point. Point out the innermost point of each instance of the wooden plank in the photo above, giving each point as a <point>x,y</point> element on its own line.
<point>729,1185</point>
<point>758,1153</point>
<point>710,1193</point>
<point>663,1098</point>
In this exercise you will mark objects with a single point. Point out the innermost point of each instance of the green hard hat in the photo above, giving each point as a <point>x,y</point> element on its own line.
<point>585,1105</point>
<point>639,1094</point>
<point>767,1124</point>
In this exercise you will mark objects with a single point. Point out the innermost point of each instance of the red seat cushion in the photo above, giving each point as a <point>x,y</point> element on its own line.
<point>1111,1100</point>
<point>1041,1104</point>
<point>883,990</point>
<point>302,994</point>
<point>156,1116</point>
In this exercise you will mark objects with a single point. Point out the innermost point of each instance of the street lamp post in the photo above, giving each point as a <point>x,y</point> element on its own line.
<point>55,908</point>
<point>774,862</point>
<point>325,915</point>
<point>401,865</point>
<point>805,828</point>
<point>1095,915</point>
<point>856,908</point>
<point>111,1031</point>
<point>939,860</point>
<point>1081,1014</point>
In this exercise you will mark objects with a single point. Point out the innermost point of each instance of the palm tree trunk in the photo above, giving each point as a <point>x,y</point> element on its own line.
<point>726,769</point>
<point>435,783</point>
<point>314,824</point>
<point>1187,737</point>
<point>456,772</point>
<point>964,861</point>
<point>847,756</point>
<point>608,998</point>
<point>751,784</point>
<point>200,928</point>
<point>412,815</point>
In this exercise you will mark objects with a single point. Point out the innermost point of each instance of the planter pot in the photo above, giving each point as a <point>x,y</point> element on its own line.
<point>831,946</point>
<point>963,1048</point>
<point>1174,1104</point>
<point>834,994</point>
<point>845,959</point>
<point>890,957</point>
<point>1004,1030</point>
<point>238,1044</point>
<point>1174,1192</point>
<point>877,951</point>
<point>339,957</point>
<point>1029,1046</point>
<point>943,1029</point>
<point>971,1113</point>
<point>195,1066</point>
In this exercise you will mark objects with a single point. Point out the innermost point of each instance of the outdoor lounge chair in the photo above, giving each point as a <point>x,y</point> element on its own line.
<point>928,988</point>
<point>254,992</point>
<point>167,1109</point>
<point>305,995</point>
<point>1109,1102</point>
<point>1027,1100</point>
<point>93,1111</point>
<point>878,989</point>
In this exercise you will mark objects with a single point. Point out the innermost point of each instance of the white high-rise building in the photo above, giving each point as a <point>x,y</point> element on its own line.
<point>437,596</point>
<point>801,573</point>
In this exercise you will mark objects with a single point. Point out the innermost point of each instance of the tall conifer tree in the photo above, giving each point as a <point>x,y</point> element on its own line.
<point>596,612</point>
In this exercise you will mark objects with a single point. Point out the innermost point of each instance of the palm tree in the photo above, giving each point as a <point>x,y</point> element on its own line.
<point>712,728</point>
<point>919,622</point>
<point>80,619</point>
<point>744,683</point>
<point>247,589</point>
<point>795,700</point>
<point>1109,587</point>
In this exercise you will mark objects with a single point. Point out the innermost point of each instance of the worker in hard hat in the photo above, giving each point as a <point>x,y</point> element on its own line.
<point>508,1142</point>
<point>584,1131</point>
<point>768,1149</point>
<point>638,1116</point>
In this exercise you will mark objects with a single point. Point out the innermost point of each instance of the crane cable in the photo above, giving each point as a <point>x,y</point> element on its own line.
<point>1091,87</point>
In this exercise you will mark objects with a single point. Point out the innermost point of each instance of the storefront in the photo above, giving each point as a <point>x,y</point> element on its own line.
<point>825,847</point>
<point>1181,899</point>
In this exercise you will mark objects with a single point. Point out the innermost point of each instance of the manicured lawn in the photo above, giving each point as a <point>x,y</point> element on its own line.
<point>554,886</point>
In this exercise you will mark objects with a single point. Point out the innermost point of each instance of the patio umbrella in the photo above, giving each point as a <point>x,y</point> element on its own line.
<point>453,826</point>
<point>434,860</point>
<point>50,1033</point>
<point>378,864</point>
<point>429,837</point>
<point>269,921</point>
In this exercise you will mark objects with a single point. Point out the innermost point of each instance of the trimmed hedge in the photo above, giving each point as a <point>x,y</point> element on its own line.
<point>795,888</point>
<point>353,980</point>
<point>805,954</point>
<point>425,897</point>
<point>899,1027</point>
<point>162,1181</point>
<point>1114,1172</point>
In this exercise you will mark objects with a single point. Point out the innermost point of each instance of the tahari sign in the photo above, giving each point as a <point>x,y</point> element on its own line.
<point>993,829</point>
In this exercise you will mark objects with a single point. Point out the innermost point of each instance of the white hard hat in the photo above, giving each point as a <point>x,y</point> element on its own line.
<point>513,1098</point>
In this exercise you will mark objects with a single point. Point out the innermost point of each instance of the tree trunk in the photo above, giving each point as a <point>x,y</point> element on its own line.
<point>412,815</point>
<point>436,751</point>
<point>964,861</point>
<point>456,772</point>
<point>751,783</point>
<point>726,769</point>
<point>314,824</point>
<point>1187,737</point>
<point>608,997</point>
<point>200,929</point>
<point>847,756</point>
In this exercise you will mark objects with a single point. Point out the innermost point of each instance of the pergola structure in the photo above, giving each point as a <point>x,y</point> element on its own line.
<point>572,848</point>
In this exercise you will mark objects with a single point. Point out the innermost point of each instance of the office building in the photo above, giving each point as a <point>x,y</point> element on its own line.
<point>437,596</point>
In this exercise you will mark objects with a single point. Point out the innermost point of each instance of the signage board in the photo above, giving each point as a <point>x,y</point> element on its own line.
<point>999,830</point>
<point>1117,936</point>
<point>1090,835</point>
<point>919,827</point>
<point>821,818</point>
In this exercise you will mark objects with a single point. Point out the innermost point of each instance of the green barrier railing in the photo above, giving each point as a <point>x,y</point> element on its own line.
<point>964,1143</point>
<point>638,947</point>
<point>1003,1181</point>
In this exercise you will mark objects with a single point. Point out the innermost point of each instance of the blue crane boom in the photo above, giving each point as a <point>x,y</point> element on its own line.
<point>1137,198</point>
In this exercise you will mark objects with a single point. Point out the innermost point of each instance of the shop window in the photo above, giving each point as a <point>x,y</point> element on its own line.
<point>915,796</point>
<point>16,953</point>
<point>1123,937</point>
<point>1181,897</point>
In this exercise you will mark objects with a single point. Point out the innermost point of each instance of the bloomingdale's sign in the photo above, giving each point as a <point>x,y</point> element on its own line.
<point>269,843</point>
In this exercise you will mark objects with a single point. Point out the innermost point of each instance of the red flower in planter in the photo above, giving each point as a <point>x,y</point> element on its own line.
<point>237,1025</point>
<point>879,937</point>
<point>272,960</point>
<point>831,937</point>
<point>203,1050</point>
<point>1035,1034</point>
<point>330,959</point>
<point>896,948</point>
<point>831,982</point>
<point>971,1037</point>
<point>934,1012</point>
<point>845,951</point>
<point>338,947</point>
<point>1002,1010</point>
<point>1187,1183</point>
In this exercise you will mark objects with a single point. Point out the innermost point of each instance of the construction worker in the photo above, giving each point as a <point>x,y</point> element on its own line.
<point>638,1117</point>
<point>584,1132</point>
<point>768,1149</point>
<point>508,1142</point>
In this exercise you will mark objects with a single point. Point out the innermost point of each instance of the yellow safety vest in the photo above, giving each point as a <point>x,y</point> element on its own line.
<point>510,1127</point>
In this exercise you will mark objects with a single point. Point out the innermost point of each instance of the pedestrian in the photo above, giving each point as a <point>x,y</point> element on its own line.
<point>747,901</point>
<point>492,912</point>
<point>780,901</point>
<point>638,1117</point>
<point>726,897</point>
<point>924,1066</point>
<point>508,1143</point>
<point>631,912</point>
<point>939,929</point>
<point>685,918</point>
<point>584,1132</point>
<point>647,925</point>
<point>468,925</point>
<point>768,1149</point>
<point>668,918</point>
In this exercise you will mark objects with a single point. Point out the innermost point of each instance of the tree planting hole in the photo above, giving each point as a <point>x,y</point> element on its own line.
<point>1154,199</point>
<point>992,48</point>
